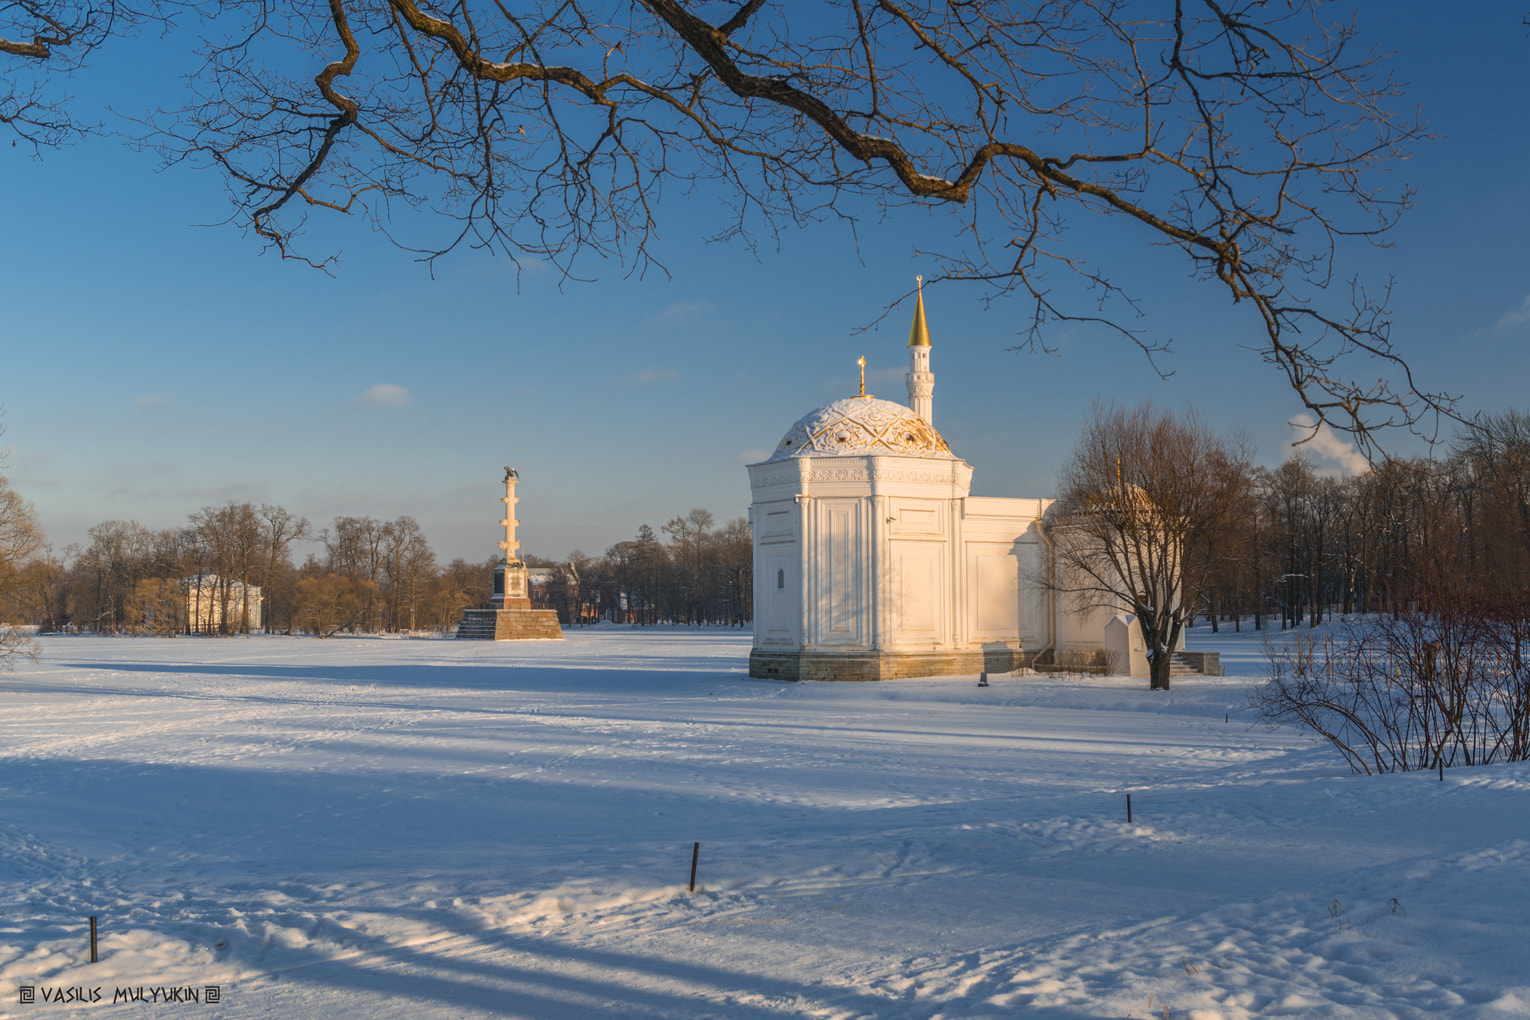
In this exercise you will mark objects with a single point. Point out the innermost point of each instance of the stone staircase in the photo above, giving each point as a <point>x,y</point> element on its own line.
<point>477,626</point>
<point>1181,667</point>
<point>1195,664</point>
<point>1183,664</point>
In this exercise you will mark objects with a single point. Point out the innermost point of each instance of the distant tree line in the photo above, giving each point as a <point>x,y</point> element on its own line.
<point>367,576</point>
<point>1160,516</point>
<point>1294,546</point>
<point>1438,551</point>
<point>701,575</point>
<point>1298,546</point>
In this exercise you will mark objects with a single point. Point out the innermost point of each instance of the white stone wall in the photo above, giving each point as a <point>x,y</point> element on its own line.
<point>889,553</point>
<point>777,574</point>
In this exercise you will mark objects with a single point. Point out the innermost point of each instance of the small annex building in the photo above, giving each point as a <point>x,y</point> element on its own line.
<point>873,561</point>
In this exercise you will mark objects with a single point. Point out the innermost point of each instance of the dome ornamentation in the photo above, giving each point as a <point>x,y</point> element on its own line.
<point>860,427</point>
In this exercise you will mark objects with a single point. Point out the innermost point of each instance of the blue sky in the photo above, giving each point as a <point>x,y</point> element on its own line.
<point>157,362</point>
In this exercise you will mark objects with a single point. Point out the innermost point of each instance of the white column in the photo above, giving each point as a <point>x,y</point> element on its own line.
<point>509,545</point>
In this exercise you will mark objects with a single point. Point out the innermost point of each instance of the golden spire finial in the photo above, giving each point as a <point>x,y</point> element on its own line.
<point>919,333</point>
<point>862,363</point>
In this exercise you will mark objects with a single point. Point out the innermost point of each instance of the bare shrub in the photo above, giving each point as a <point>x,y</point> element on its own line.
<point>329,603</point>
<point>157,606</point>
<point>1078,662</point>
<point>1415,690</point>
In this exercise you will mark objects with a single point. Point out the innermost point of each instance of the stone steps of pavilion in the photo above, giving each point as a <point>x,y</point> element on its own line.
<point>1183,665</point>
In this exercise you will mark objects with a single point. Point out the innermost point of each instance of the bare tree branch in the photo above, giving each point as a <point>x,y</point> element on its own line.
<point>44,40</point>
<point>1243,136</point>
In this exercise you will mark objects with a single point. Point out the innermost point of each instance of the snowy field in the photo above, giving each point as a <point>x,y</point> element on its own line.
<point>381,828</point>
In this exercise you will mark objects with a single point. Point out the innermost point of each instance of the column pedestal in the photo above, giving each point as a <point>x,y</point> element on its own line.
<point>510,616</point>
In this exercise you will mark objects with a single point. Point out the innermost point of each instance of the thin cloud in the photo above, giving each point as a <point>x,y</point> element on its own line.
<point>1326,443</point>
<point>679,312</point>
<point>530,266</point>
<point>650,376</point>
<point>1514,318</point>
<point>152,400</point>
<point>384,395</point>
<point>26,457</point>
<point>751,456</point>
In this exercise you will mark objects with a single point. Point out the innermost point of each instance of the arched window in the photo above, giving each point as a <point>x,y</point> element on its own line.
<point>781,579</point>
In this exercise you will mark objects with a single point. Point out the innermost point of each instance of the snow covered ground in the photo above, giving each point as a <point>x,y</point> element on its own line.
<point>380,828</point>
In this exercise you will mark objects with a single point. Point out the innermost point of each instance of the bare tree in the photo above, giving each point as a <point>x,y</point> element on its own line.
<point>650,564</point>
<point>330,603</point>
<point>408,564</point>
<point>158,605</point>
<point>1495,457</point>
<point>1142,488</point>
<point>458,586</point>
<point>237,535</point>
<point>1246,136</point>
<point>1287,495</point>
<point>693,540</point>
<point>20,538</point>
<point>1223,551</point>
<point>282,528</point>
<point>353,548</point>
<point>735,564</point>
<point>107,571</point>
<point>39,592</point>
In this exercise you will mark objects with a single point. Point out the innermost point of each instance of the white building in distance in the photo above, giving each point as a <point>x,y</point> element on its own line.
<point>872,561</point>
<point>211,600</point>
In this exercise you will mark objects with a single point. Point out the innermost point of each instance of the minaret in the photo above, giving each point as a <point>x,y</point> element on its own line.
<point>921,381</point>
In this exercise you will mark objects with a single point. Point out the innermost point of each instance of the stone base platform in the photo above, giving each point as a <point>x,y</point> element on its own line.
<point>509,625</point>
<point>768,665</point>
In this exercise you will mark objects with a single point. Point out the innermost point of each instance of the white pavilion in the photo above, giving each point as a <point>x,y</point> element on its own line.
<point>872,561</point>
